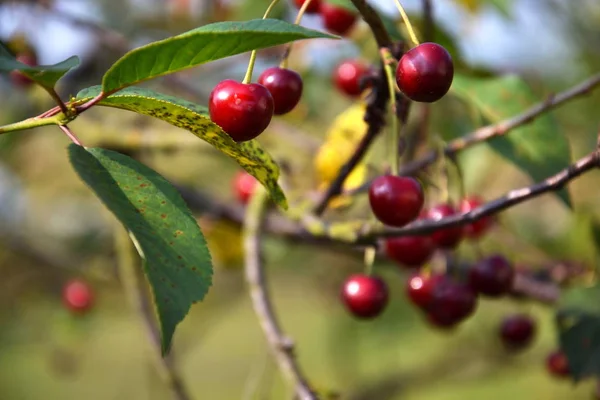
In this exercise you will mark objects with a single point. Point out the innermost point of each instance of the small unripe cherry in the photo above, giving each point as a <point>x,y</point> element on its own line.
<point>78,296</point>
<point>365,296</point>
<point>244,185</point>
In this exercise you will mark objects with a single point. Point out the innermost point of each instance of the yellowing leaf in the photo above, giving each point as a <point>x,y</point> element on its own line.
<point>349,125</point>
<point>356,178</point>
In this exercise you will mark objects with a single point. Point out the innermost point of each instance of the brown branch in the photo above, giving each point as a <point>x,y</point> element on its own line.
<point>375,23</point>
<point>281,346</point>
<point>531,288</point>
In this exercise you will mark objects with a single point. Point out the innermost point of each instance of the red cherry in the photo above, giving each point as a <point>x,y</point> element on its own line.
<point>411,251</point>
<point>365,296</point>
<point>17,78</point>
<point>396,200</point>
<point>312,8</point>
<point>78,296</point>
<point>349,75</point>
<point>451,302</point>
<point>517,331</point>
<point>558,364</point>
<point>493,276</point>
<point>419,289</point>
<point>285,86</point>
<point>243,186</point>
<point>446,238</point>
<point>242,110</point>
<point>479,227</point>
<point>337,19</point>
<point>425,73</point>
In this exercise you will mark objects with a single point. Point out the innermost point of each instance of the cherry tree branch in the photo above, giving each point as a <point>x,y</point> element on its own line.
<point>375,23</point>
<point>281,346</point>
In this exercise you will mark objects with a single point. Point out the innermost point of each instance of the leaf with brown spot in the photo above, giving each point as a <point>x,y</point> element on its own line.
<point>194,118</point>
<point>184,263</point>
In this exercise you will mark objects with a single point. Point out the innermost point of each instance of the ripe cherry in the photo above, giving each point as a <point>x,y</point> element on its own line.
<point>349,77</point>
<point>451,302</point>
<point>242,110</point>
<point>558,364</point>
<point>446,238</point>
<point>77,296</point>
<point>425,72</point>
<point>517,331</point>
<point>419,289</point>
<point>396,200</point>
<point>312,8</point>
<point>410,251</point>
<point>243,186</point>
<point>17,78</point>
<point>479,227</point>
<point>492,276</point>
<point>365,296</point>
<point>338,20</point>
<point>285,86</point>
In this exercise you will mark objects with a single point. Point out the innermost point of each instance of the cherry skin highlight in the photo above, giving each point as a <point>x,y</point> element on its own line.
<point>312,8</point>
<point>285,86</point>
<point>244,185</point>
<point>419,289</point>
<point>410,251</point>
<point>425,73</point>
<point>349,75</point>
<point>517,331</point>
<point>78,296</point>
<point>396,200</point>
<point>492,276</point>
<point>242,110</point>
<point>337,19</point>
<point>365,296</point>
<point>445,238</point>
<point>478,228</point>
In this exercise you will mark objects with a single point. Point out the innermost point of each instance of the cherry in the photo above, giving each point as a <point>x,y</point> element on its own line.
<point>312,8</point>
<point>349,76</point>
<point>451,302</point>
<point>446,238</point>
<point>77,296</point>
<point>285,86</point>
<point>337,19</point>
<point>419,289</point>
<point>411,251</point>
<point>18,78</point>
<point>243,186</point>
<point>425,72</point>
<point>242,110</point>
<point>558,364</point>
<point>396,200</point>
<point>479,227</point>
<point>365,296</point>
<point>517,331</point>
<point>492,276</point>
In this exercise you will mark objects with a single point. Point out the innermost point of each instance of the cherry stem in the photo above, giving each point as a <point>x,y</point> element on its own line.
<point>70,134</point>
<point>409,27</point>
<point>288,49</point>
<point>248,77</point>
<point>370,253</point>
<point>388,62</point>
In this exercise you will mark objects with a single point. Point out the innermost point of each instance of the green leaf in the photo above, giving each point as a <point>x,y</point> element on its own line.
<point>538,148</point>
<point>579,335</point>
<point>176,259</point>
<point>45,75</point>
<point>201,45</point>
<point>194,118</point>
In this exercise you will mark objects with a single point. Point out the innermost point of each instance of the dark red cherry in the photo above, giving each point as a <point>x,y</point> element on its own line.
<point>285,86</point>
<point>243,186</point>
<point>558,364</point>
<point>451,302</point>
<point>517,331</point>
<point>349,75</point>
<point>396,200</point>
<point>479,227</point>
<point>446,238</point>
<point>78,296</point>
<point>17,78</point>
<point>312,8</point>
<point>425,72</point>
<point>419,288</point>
<point>365,296</point>
<point>410,251</point>
<point>336,19</point>
<point>492,276</point>
<point>242,110</point>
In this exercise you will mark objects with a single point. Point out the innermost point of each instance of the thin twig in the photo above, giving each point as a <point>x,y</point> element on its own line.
<point>428,31</point>
<point>70,134</point>
<point>57,99</point>
<point>128,272</point>
<point>281,346</point>
<point>531,288</point>
<point>375,23</point>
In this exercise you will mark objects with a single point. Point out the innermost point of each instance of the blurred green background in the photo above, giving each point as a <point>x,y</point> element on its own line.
<point>53,229</point>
